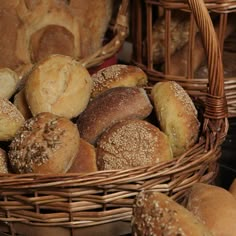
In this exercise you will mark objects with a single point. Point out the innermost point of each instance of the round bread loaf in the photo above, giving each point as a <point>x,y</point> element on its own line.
<point>177,115</point>
<point>111,106</point>
<point>85,160</point>
<point>10,120</point>
<point>232,188</point>
<point>21,104</point>
<point>155,213</point>
<point>117,75</point>
<point>45,144</point>
<point>3,162</point>
<point>215,206</point>
<point>9,81</point>
<point>60,85</point>
<point>132,143</point>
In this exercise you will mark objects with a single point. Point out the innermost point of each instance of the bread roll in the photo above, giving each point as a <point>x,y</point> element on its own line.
<point>132,143</point>
<point>59,85</point>
<point>232,188</point>
<point>3,162</point>
<point>117,76</point>
<point>45,144</point>
<point>215,206</point>
<point>85,160</point>
<point>155,213</point>
<point>22,105</point>
<point>8,82</point>
<point>111,106</point>
<point>10,120</point>
<point>177,115</point>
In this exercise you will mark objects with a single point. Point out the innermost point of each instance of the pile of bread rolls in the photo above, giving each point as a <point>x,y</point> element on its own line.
<point>62,119</point>
<point>210,211</point>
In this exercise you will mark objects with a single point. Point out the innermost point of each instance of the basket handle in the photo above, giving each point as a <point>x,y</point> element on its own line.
<point>216,104</point>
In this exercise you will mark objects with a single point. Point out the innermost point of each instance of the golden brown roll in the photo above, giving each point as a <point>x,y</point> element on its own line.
<point>85,160</point>
<point>232,188</point>
<point>111,106</point>
<point>60,85</point>
<point>3,162</point>
<point>117,75</point>
<point>21,104</point>
<point>9,81</point>
<point>10,120</point>
<point>45,144</point>
<point>132,143</point>
<point>155,213</point>
<point>215,206</point>
<point>177,115</point>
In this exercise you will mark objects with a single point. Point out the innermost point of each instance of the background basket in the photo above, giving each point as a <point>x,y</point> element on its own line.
<point>101,202</point>
<point>187,64</point>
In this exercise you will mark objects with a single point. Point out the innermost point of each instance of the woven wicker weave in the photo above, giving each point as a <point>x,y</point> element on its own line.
<point>70,204</point>
<point>224,11</point>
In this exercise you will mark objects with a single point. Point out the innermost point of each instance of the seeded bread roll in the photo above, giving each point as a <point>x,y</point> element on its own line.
<point>177,115</point>
<point>155,213</point>
<point>3,162</point>
<point>45,144</point>
<point>85,160</point>
<point>132,143</point>
<point>111,106</point>
<point>117,76</point>
<point>215,206</point>
<point>60,85</point>
<point>232,188</point>
<point>10,120</point>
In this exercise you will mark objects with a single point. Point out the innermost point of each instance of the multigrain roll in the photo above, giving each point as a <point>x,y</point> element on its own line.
<point>45,144</point>
<point>110,107</point>
<point>215,206</point>
<point>117,75</point>
<point>177,115</point>
<point>132,143</point>
<point>10,120</point>
<point>3,162</point>
<point>60,85</point>
<point>155,213</point>
<point>85,160</point>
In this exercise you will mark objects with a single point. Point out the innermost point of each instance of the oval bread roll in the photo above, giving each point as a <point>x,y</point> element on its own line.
<point>45,144</point>
<point>111,106</point>
<point>177,115</point>
<point>215,206</point>
<point>10,120</point>
<point>132,143</point>
<point>60,85</point>
<point>155,213</point>
<point>117,75</point>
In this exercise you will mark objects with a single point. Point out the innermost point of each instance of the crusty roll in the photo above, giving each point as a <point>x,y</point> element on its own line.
<point>21,104</point>
<point>155,213</point>
<point>45,144</point>
<point>59,85</point>
<point>117,75</point>
<point>3,162</point>
<point>85,160</point>
<point>9,81</point>
<point>10,120</point>
<point>111,106</point>
<point>132,143</point>
<point>177,115</point>
<point>232,188</point>
<point>215,206</point>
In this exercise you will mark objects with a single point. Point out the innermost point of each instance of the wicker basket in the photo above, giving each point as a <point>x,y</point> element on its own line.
<point>101,202</point>
<point>187,63</point>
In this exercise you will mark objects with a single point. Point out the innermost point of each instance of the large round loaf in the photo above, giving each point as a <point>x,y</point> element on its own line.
<point>215,206</point>
<point>232,188</point>
<point>110,107</point>
<point>45,144</point>
<point>132,143</point>
<point>60,85</point>
<point>155,213</point>
<point>177,115</point>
